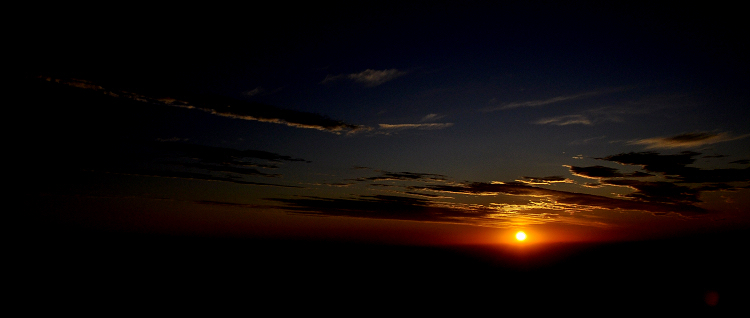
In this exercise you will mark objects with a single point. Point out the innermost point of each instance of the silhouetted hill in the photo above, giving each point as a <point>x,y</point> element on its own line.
<point>299,276</point>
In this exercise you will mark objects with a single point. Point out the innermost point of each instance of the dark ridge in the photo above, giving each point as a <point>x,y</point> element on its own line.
<point>339,276</point>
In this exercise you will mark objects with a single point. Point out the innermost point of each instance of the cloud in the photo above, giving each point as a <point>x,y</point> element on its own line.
<point>228,169</point>
<point>371,77</point>
<point>483,188</point>
<point>331,78</point>
<point>654,162</point>
<point>194,176</point>
<point>553,100</point>
<point>545,180</point>
<point>424,126</point>
<point>685,183</point>
<point>599,172</point>
<point>383,207</point>
<point>422,202</point>
<point>569,201</point>
<point>425,210</point>
<point>667,192</point>
<point>182,161</point>
<point>368,77</point>
<point>191,161</point>
<point>676,167</point>
<point>226,107</point>
<point>686,140</point>
<point>564,120</point>
<point>405,176</point>
<point>431,117</point>
<point>543,102</point>
<point>592,185</point>
<point>596,116</point>
<point>220,154</point>
<point>255,91</point>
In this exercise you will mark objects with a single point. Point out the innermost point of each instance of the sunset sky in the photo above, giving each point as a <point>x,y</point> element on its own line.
<point>409,124</point>
<point>385,146</point>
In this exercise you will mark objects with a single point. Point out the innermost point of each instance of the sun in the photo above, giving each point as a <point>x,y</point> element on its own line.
<point>520,236</point>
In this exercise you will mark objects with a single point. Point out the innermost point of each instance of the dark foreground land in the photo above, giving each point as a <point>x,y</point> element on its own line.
<point>74,270</point>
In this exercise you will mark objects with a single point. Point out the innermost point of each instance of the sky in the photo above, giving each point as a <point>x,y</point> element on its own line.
<point>388,124</point>
<point>417,123</point>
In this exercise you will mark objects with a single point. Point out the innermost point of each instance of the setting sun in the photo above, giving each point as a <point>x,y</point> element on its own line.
<point>520,235</point>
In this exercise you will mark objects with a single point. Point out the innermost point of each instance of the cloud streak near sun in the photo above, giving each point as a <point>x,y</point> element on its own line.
<point>667,185</point>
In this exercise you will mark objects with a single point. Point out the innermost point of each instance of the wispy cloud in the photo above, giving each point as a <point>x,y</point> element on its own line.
<point>542,102</point>
<point>422,126</point>
<point>405,176</point>
<point>687,140</point>
<point>564,120</point>
<point>255,91</point>
<point>599,172</point>
<point>220,154</point>
<point>425,123</point>
<point>424,209</point>
<point>545,180</point>
<point>566,200</point>
<point>368,77</point>
<point>194,176</point>
<point>593,116</point>
<point>586,141</point>
<point>231,108</point>
<point>675,167</point>
<point>199,162</point>
<point>424,195</point>
<point>177,160</point>
<point>385,207</point>
<point>227,107</point>
<point>431,117</point>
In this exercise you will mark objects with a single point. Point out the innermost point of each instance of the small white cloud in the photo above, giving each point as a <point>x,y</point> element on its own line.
<point>330,78</point>
<point>371,77</point>
<point>368,77</point>
<point>431,117</point>
<point>534,103</point>
<point>553,100</point>
<point>255,91</point>
<point>564,120</point>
